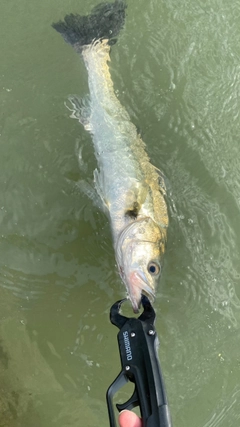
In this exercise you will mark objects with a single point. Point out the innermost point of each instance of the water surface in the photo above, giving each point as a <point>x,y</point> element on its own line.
<point>176,70</point>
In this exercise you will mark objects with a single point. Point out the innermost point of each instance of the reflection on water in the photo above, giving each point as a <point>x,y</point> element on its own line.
<point>30,391</point>
<point>176,69</point>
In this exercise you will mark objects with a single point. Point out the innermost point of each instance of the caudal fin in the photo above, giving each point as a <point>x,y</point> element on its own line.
<point>104,22</point>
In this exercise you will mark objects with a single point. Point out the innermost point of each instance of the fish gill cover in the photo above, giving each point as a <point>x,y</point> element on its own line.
<point>105,21</point>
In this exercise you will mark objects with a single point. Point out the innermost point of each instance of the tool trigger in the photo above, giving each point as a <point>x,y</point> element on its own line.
<point>130,404</point>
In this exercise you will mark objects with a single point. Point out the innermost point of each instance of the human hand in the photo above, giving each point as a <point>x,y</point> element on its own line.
<point>129,419</point>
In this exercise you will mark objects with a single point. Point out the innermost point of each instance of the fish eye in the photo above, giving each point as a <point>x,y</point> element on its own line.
<point>153,268</point>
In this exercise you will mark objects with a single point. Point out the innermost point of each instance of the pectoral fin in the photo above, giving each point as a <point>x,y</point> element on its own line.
<point>135,198</point>
<point>98,182</point>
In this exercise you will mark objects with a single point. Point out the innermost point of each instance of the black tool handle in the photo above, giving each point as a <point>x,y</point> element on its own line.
<point>137,340</point>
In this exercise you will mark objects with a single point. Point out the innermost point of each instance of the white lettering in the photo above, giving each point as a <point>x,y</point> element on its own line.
<point>127,345</point>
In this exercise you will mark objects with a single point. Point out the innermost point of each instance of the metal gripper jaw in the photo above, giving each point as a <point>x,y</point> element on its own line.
<point>148,314</point>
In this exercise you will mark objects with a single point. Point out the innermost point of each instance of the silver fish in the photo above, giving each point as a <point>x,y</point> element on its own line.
<point>131,188</point>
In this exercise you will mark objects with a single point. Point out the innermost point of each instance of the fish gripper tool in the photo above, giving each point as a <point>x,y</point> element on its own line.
<point>138,342</point>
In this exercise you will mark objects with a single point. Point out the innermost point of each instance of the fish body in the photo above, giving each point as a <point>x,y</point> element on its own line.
<point>130,187</point>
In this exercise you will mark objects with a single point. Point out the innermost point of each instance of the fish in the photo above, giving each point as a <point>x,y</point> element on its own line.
<point>130,187</point>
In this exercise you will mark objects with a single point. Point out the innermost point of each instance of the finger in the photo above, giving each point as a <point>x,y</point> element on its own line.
<point>129,419</point>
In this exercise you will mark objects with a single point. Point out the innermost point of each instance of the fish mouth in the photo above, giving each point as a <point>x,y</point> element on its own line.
<point>138,285</point>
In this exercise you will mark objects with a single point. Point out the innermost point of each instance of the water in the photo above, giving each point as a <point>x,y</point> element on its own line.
<point>176,70</point>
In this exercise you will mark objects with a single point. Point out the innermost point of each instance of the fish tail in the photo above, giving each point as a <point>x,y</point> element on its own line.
<point>104,22</point>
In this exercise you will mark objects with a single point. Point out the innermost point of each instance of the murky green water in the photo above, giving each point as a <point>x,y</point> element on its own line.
<point>176,69</point>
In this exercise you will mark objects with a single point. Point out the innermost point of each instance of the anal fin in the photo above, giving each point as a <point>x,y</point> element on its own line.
<point>161,179</point>
<point>81,110</point>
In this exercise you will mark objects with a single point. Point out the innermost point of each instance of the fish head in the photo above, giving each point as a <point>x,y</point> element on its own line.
<point>139,250</point>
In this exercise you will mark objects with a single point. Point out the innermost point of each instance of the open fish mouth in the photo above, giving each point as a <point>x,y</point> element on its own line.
<point>138,285</point>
